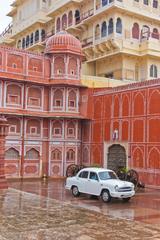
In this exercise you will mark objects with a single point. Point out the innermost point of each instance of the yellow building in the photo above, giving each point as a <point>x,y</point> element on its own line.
<point>120,38</point>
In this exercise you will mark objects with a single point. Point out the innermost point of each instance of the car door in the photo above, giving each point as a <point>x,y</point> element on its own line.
<point>93,184</point>
<point>82,180</point>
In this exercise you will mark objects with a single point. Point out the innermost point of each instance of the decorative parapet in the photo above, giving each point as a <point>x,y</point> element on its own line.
<point>131,86</point>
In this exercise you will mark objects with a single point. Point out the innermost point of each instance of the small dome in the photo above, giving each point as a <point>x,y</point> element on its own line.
<point>63,42</point>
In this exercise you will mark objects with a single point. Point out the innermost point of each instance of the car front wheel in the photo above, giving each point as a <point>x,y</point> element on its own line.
<point>106,197</point>
<point>75,191</point>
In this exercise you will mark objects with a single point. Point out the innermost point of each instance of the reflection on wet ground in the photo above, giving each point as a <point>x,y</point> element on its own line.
<point>44,210</point>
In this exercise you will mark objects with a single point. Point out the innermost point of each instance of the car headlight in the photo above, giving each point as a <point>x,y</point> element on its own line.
<point>116,188</point>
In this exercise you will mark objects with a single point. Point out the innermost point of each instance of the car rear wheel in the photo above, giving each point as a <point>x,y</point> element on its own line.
<point>75,191</point>
<point>106,197</point>
<point>126,199</point>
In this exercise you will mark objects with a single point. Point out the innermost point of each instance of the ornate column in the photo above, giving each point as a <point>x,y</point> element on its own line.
<point>3,134</point>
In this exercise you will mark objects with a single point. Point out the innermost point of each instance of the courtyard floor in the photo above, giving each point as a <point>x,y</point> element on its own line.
<point>41,210</point>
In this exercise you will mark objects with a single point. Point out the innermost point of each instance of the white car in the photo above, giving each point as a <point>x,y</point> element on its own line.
<point>100,182</point>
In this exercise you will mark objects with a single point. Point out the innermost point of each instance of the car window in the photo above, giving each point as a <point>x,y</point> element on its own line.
<point>83,174</point>
<point>107,175</point>
<point>93,176</point>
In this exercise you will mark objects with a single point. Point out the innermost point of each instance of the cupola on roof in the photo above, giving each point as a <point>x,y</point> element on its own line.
<point>63,42</point>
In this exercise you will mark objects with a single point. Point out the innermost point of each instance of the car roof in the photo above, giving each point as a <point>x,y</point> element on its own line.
<point>95,169</point>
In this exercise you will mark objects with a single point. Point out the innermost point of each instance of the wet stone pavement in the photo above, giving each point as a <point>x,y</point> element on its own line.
<point>45,211</point>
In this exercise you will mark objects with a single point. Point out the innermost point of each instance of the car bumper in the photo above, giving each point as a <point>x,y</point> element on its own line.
<point>122,194</point>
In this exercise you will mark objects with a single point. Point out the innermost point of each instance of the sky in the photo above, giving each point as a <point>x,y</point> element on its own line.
<point>4,9</point>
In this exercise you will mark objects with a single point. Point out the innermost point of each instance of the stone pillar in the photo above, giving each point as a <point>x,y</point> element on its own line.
<point>3,134</point>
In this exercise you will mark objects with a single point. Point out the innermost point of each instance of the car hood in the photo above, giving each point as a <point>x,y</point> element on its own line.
<point>117,182</point>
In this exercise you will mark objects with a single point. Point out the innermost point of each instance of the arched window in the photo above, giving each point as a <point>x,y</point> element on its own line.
<point>119,26</point>
<point>64,21</point>
<point>23,43</point>
<point>58,98</point>
<point>19,44</point>
<point>70,155</point>
<point>153,71</point>
<point>58,25</point>
<point>77,16</point>
<point>155,3</point>
<point>97,32</point>
<point>33,128</point>
<point>104,2</point>
<point>27,41</point>
<point>145,2</point>
<point>56,155</point>
<point>12,154</point>
<point>70,18</point>
<point>32,154</point>
<point>57,128</point>
<point>135,31</point>
<point>43,34</point>
<point>72,99</point>
<point>110,26</point>
<point>71,129</point>
<point>155,33</point>
<point>145,32</point>
<point>31,39</point>
<point>37,36</point>
<point>59,66</point>
<point>104,29</point>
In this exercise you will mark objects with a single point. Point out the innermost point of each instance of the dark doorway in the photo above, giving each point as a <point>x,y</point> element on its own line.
<point>116,157</point>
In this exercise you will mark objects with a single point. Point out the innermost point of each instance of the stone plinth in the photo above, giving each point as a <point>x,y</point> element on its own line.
<point>3,134</point>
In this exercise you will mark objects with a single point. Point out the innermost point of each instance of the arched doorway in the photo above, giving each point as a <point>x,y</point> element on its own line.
<point>116,157</point>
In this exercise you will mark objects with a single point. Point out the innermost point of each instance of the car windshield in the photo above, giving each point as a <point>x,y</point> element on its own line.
<point>107,175</point>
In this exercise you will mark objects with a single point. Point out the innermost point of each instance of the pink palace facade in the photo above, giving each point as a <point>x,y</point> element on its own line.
<point>54,120</point>
<point>45,105</point>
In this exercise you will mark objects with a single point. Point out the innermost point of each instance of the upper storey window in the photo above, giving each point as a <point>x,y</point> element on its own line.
<point>37,36</point>
<point>58,99</point>
<point>155,33</point>
<point>135,31</point>
<point>97,32</point>
<point>23,43</point>
<point>64,21</point>
<point>19,44</point>
<point>146,2</point>
<point>70,18</point>
<point>104,2</point>
<point>153,71</point>
<point>31,39</point>
<point>77,16</point>
<point>14,126</point>
<point>58,25</point>
<point>13,94</point>
<point>119,26</point>
<point>33,127</point>
<point>104,29</point>
<point>155,4</point>
<point>110,26</point>
<point>72,99</point>
<point>34,97</point>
